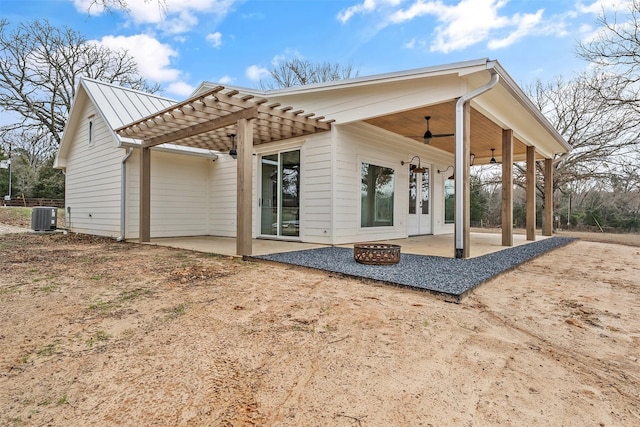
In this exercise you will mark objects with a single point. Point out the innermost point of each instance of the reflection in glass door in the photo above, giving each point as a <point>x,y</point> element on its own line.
<point>419,218</point>
<point>280,194</point>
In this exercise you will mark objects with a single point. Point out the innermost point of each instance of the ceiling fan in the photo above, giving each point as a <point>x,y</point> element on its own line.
<point>428,135</point>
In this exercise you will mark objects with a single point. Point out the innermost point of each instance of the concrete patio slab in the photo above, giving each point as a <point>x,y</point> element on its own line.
<point>441,245</point>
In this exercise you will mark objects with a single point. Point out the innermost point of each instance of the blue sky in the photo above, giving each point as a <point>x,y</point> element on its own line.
<point>236,41</point>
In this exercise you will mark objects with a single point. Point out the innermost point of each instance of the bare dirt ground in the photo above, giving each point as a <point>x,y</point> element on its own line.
<point>95,332</point>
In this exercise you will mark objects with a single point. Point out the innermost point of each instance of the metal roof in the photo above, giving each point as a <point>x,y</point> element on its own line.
<point>117,106</point>
<point>120,105</point>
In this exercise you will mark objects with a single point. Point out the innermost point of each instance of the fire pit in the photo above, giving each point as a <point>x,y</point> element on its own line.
<point>376,254</point>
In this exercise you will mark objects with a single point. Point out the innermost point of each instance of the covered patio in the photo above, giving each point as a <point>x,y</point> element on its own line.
<point>430,245</point>
<point>477,112</point>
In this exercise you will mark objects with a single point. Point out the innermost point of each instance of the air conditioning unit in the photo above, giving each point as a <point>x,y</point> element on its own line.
<point>44,218</point>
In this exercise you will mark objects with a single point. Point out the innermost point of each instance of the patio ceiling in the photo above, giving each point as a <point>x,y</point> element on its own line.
<point>208,120</point>
<point>485,134</point>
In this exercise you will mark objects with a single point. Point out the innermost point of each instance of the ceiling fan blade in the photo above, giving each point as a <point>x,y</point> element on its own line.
<point>443,135</point>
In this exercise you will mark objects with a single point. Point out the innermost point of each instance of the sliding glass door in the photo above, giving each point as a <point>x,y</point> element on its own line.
<point>280,194</point>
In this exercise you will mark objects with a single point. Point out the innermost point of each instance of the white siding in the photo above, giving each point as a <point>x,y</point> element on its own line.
<point>362,143</point>
<point>222,206</point>
<point>180,195</point>
<point>316,216</point>
<point>93,179</point>
<point>357,103</point>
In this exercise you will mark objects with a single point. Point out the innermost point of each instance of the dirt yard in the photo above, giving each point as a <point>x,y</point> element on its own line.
<point>95,332</point>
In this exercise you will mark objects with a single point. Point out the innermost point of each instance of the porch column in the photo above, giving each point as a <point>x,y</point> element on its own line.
<point>531,193</point>
<point>547,228</point>
<point>145,195</point>
<point>507,187</point>
<point>244,206</point>
<point>462,191</point>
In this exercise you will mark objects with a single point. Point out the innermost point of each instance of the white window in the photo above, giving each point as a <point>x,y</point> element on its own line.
<point>376,193</point>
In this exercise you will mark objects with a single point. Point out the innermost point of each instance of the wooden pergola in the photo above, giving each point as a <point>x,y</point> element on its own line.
<point>215,120</point>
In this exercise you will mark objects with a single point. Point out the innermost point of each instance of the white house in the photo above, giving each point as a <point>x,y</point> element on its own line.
<point>339,162</point>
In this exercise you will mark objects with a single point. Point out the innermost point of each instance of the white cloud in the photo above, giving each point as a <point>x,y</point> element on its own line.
<point>415,44</point>
<point>460,24</point>
<point>256,73</point>
<point>225,80</point>
<point>180,88</point>
<point>171,16</point>
<point>598,6</point>
<point>88,6</point>
<point>366,6</point>
<point>526,24</point>
<point>470,22</point>
<point>182,22</point>
<point>153,58</point>
<point>215,39</point>
<point>177,16</point>
<point>416,10</point>
<point>287,55</point>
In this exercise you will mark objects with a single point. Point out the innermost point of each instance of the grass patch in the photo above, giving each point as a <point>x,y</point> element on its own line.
<point>101,306</point>
<point>47,350</point>
<point>126,296</point>
<point>10,290</point>
<point>47,289</point>
<point>100,336</point>
<point>176,311</point>
<point>133,294</point>
<point>15,421</point>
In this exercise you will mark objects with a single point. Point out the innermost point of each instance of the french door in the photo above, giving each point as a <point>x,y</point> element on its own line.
<point>419,216</point>
<point>280,194</point>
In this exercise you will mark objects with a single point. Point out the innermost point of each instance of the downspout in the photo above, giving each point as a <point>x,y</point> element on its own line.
<point>461,156</point>
<point>123,194</point>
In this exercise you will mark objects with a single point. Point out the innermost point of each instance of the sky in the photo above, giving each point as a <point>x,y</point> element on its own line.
<point>178,44</point>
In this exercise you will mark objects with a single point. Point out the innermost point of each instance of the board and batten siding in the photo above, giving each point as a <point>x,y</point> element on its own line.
<point>180,195</point>
<point>92,195</point>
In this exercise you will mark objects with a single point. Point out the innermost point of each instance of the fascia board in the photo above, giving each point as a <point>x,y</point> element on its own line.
<point>60,162</point>
<point>510,85</point>
<point>459,68</point>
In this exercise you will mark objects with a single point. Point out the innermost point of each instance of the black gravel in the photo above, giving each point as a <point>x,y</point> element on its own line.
<point>449,278</point>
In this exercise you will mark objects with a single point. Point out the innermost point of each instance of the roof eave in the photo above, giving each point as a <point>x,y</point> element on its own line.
<point>512,87</point>
<point>460,68</point>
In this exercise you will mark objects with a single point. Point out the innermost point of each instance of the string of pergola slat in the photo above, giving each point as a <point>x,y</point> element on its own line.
<point>207,121</point>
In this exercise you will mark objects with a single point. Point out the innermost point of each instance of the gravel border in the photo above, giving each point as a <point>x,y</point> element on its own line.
<point>449,278</point>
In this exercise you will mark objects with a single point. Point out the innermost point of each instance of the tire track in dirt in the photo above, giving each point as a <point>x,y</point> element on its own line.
<point>585,365</point>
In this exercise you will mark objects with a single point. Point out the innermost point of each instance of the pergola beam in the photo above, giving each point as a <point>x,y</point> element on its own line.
<point>208,126</point>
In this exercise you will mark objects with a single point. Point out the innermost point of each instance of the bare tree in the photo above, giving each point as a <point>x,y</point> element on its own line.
<point>36,147</point>
<point>603,136</point>
<point>616,52</point>
<point>298,72</point>
<point>40,65</point>
<point>112,5</point>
